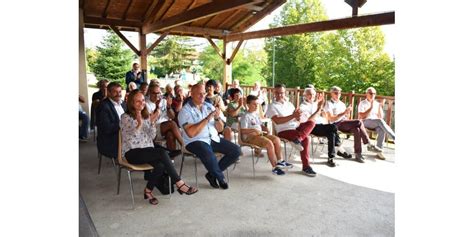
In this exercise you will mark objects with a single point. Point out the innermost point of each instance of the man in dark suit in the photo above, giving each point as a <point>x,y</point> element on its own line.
<point>135,75</point>
<point>108,120</point>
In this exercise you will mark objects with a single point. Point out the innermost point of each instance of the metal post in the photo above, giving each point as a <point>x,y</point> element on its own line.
<point>273,71</point>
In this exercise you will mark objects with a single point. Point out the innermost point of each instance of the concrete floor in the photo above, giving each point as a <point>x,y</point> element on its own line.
<point>340,201</point>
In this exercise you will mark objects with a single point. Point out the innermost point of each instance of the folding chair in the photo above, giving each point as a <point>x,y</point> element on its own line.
<point>252,148</point>
<point>130,168</point>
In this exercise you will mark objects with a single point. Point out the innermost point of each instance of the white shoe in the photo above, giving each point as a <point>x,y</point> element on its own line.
<point>373,148</point>
<point>380,156</point>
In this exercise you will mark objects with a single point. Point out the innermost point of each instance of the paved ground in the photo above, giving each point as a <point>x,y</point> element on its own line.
<point>343,201</point>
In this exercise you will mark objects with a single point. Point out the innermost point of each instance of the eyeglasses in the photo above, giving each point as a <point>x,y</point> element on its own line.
<point>155,93</point>
<point>336,92</point>
<point>371,93</point>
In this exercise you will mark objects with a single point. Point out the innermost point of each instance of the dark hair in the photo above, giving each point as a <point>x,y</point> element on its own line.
<point>103,81</point>
<point>251,98</point>
<point>211,83</point>
<point>131,110</point>
<point>112,85</point>
<point>280,86</point>
<point>233,91</point>
<point>143,84</point>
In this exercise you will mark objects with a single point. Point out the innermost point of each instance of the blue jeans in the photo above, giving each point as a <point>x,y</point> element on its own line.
<point>84,126</point>
<point>205,153</point>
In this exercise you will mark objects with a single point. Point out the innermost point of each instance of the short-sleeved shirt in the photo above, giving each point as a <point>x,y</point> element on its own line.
<point>308,109</point>
<point>231,120</point>
<point>151,107</point>
<point>282,109</point>
<point>364,105</point>
<point>251,120</point>
<point>190,114</point>
<point>335,108</point>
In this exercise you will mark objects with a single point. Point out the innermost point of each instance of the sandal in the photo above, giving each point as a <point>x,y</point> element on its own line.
<point>151,199</point>
<point>191,190</point>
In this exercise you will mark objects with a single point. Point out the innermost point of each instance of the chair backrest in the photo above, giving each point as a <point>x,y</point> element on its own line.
<point>239,131</point>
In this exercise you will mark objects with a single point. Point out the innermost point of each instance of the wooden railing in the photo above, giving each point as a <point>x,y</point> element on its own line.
<point>349,98</point>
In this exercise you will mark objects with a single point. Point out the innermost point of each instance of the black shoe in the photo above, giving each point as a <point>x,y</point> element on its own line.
<point>331,163</point>
<point>223,184</point>
<point>174,153</point>
<point>345,155</point>
<point>309,171</point>
<point>212,180</point>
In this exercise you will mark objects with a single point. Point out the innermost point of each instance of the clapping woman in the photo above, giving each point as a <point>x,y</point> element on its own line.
<point>138,131</point>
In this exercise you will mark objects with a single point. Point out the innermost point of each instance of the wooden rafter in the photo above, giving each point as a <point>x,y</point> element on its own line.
<point>203,11</point>
<point>209,20</point>
<point>215,47</point>
<point>229,61</point>
<point>106,10</point>
<point>228,18</point>
<point>198,31</point>
<point>149,8</point>
<point>164,12</point>
<point>254,8</point>
<point>242,26</point>
<point>119,34</point>
<point>190,5</point>
<point>157,41</point>
<point>150,14</point>
<point>102,21</point>
<point>338,24</point>
<point>124,16</point>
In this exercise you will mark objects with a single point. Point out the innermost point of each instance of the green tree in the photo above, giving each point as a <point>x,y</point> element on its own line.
<point>91,58</point>
<point>113,59</point>
<point>247,65</point>
<point>352,59</point>
<point>172,55</point>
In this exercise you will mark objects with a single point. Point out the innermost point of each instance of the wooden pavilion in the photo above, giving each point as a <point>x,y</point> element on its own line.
<point>225,20</point>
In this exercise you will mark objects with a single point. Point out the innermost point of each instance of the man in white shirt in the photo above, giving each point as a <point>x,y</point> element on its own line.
<point>310,106</point>
<point>288,126</point>
<point>337,113</point>
<point>371,113</point>
<point>201,122</point>
<point>165,126</point>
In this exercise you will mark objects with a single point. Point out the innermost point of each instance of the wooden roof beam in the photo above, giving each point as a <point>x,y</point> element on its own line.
<point>338,24</point>
<point>229,61</point>
<point>110,22</point>
<point>216,47</point>
<point>106,10</point>
<point>164,13</point>
<point>162,36</point>
<point>127,9</point>
<point>119,34</point>
<point>198,31</point>
<point>203,11</point>
<point>150,15</point>
<point>242,26</point>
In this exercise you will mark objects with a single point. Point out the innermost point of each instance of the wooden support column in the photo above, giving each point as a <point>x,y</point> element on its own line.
<point>82,64</point>
<point>143,55</point>
<point>227,65</point>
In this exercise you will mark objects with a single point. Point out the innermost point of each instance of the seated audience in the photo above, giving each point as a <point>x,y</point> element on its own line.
<point>165,126</point>
<point>371,113</point>
<point>97,97</point>
<point>169,91</point>
<point>286,118</point>
<point>254,132</point>
<point>201,122</point>
<point>235,84</point>
<point>108,120</point>
<point>310,106</point>
<point>337,113</point>
<point>144,88</point>
<point>138,130</point>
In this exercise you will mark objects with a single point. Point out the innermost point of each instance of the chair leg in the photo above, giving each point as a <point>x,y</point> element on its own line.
<point>227,171</point>
<point>131,189</point>
<point>169,186</point>
<point>196,171</point>
<point>100,161</point>
<point>284,147</point>
<point>118,179</point>
<point>253,163</point>
<point>182,162</point>
<point>114,164</point>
